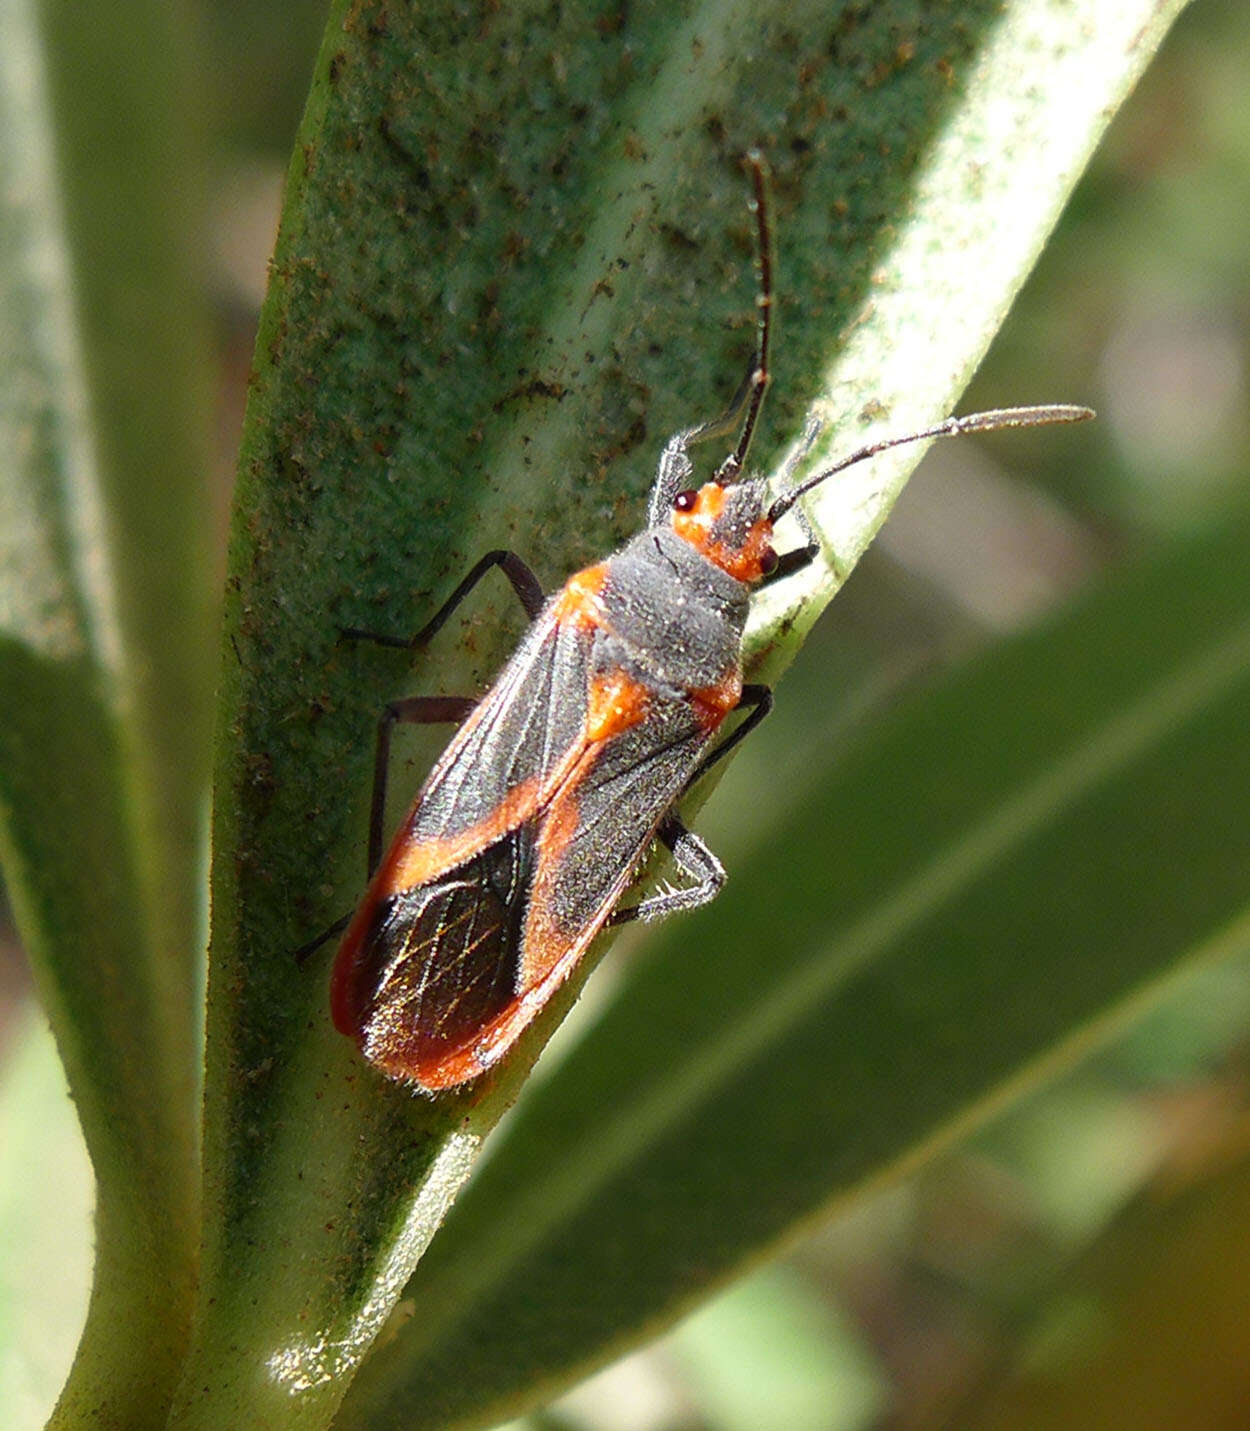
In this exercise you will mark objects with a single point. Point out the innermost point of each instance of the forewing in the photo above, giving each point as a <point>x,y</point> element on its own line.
<point>519,845</point>
<point>438,962</point>
<point>432,950</point>
<point>597,828</point>
<point>516,746</point>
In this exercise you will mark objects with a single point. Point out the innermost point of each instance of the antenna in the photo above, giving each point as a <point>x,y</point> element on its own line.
<point>992,421</point>
<point>758,378</point>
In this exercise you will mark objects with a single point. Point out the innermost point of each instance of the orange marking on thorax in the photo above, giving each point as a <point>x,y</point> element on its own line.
<point>744,563</point>
<point>580,602</point>
<point>616,702</point>
<point>713,703</point>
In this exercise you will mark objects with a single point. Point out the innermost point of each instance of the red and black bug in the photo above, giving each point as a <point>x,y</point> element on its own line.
<point>533,823</point>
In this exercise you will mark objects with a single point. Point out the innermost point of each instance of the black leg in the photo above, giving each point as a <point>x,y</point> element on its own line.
<point>523,580</point>
<point>306,951</point>
<point>694,859</point>
<point>759,697</point>
<point>413,710</point>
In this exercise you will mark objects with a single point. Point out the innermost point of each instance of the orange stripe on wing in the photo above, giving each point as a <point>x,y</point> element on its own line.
<point>616,703</point>
<point>547,941</point>
<point>415,862</point>
<point>409,863</point>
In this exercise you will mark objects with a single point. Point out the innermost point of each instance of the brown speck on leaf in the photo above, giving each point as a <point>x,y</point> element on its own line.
<point>535,387</point>
<point>613,22</point>
<point>677,237</point>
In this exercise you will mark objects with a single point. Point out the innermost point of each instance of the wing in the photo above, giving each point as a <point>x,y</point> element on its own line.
<point>516,746</point>
<point>598,826</point>
<point>519,742</point>
<point>436,963</point>
<point>447,974</point>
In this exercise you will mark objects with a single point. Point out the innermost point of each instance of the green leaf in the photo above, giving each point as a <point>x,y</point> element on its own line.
<point>45,1210</point>
<point>982,889</point>
<point>103,606</point>
<point>515,248</point>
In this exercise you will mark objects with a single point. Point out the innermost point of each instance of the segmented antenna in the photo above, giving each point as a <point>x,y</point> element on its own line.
<point>759,376</point>
<point>991,421</point>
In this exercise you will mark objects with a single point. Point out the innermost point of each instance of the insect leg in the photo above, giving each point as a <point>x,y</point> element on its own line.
<point>306,951</point>
<point>413,710</point>
<point>759,697</point>
<point>693,858</point>
<point>790,562</point>
<point>523,580</point>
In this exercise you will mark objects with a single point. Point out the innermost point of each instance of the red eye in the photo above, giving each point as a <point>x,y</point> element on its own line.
<point>685,501</point>
<point>768,561</point>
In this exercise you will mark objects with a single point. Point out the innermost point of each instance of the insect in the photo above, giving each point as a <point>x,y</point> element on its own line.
<point>528,831</point>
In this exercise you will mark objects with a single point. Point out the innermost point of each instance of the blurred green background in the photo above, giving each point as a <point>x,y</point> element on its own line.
<point>1014,1282</point>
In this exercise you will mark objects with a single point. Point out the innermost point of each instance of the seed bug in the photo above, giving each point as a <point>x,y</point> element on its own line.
<point>530,827</point>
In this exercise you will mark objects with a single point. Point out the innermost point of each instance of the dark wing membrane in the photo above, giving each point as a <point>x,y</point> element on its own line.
<point>438,962</point>
<point>598,826</point>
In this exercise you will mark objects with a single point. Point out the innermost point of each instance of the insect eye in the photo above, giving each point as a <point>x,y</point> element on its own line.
<point>768,561</point>
<point>685,501</point>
